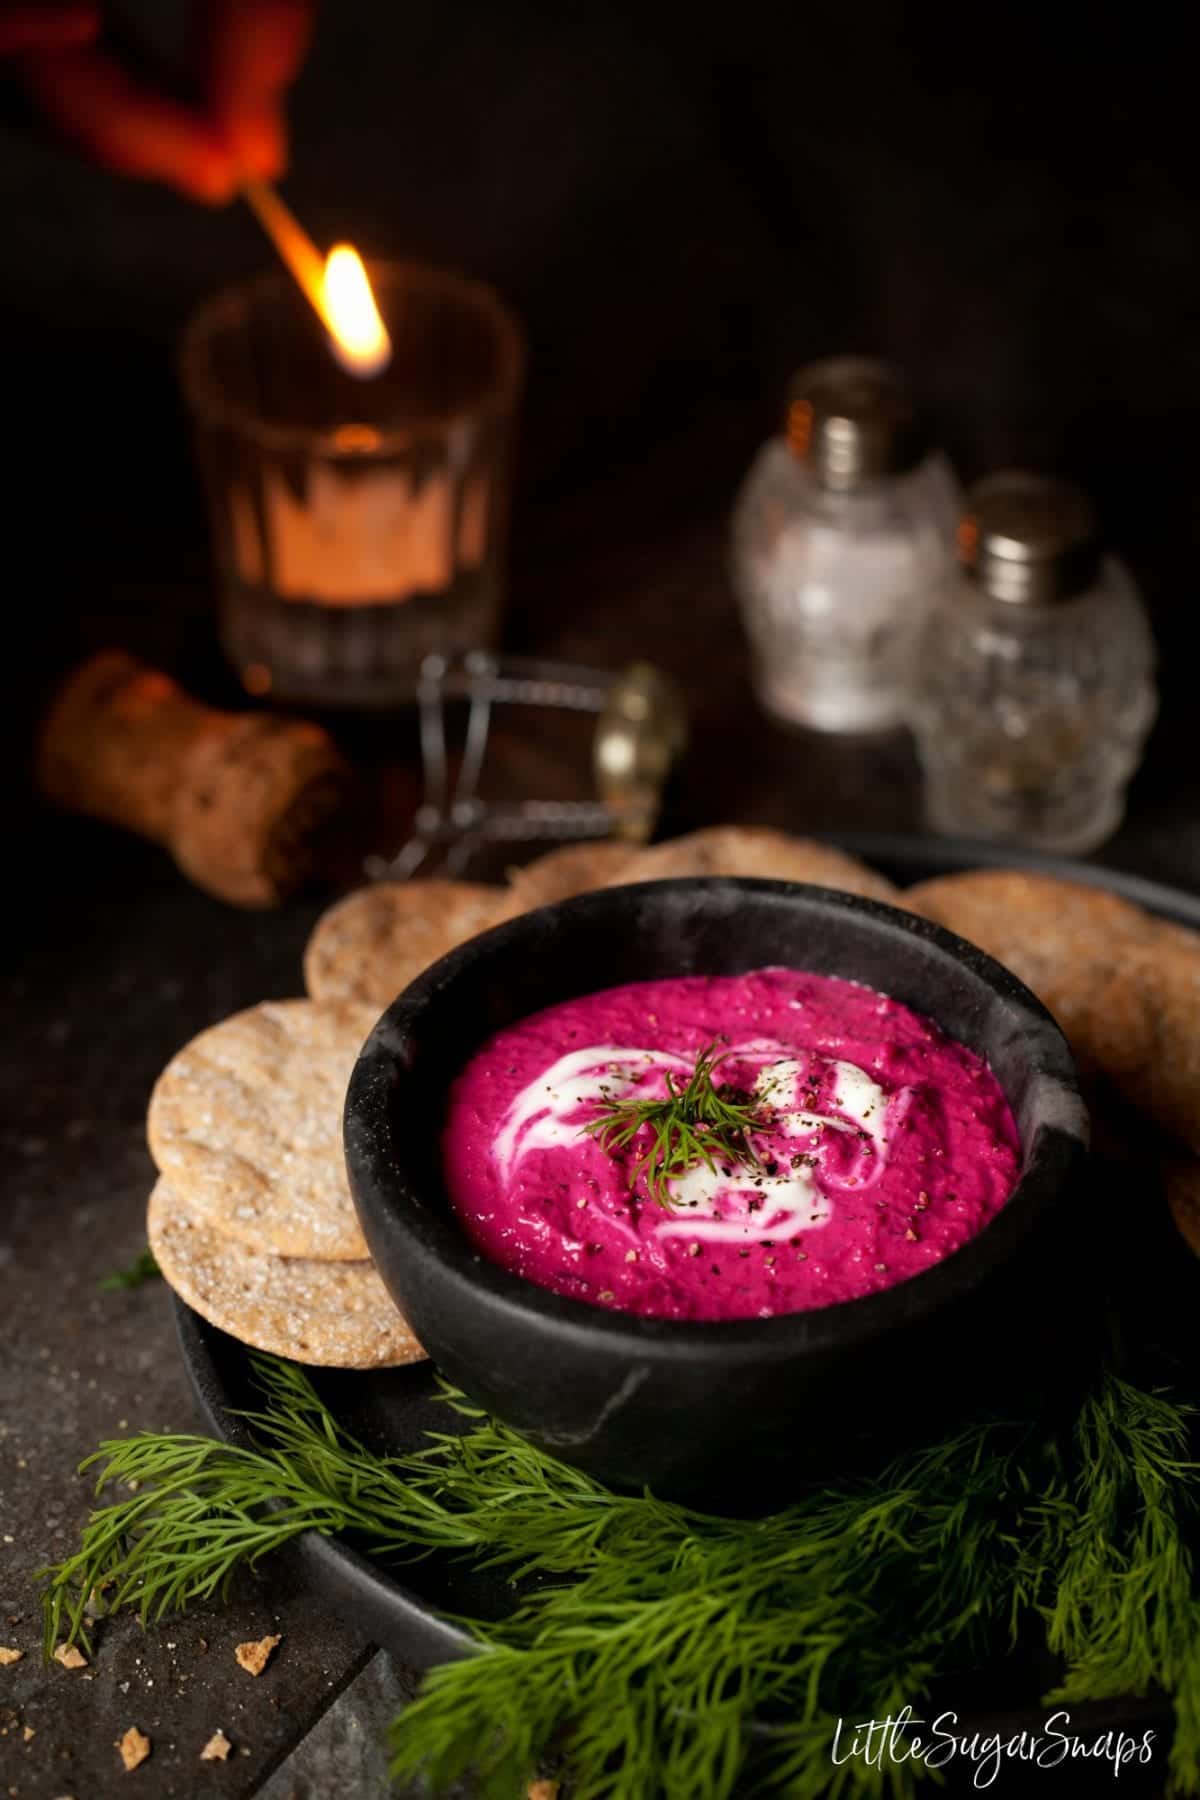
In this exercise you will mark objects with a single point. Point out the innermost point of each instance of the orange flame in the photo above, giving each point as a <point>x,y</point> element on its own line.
<point>337,287</point>
<point>359,335</point>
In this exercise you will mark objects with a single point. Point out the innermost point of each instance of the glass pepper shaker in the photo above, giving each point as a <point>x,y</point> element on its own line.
<point>1037,686</point>
<point>841,532</point>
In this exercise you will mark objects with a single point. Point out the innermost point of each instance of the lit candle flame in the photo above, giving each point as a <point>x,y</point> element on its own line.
<point>358,334</point>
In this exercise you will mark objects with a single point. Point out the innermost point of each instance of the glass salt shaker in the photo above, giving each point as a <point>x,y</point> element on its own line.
<point>841,533</point>
<point>1037,687</point>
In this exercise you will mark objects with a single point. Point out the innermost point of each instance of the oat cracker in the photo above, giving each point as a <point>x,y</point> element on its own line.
<point>1075,946</point>
<point>246,1125</point>
<point>754,851</point>
<point>1166,1083</point>
<point>338,1314</point>
<point>574,869</point>
<point>372,944</point>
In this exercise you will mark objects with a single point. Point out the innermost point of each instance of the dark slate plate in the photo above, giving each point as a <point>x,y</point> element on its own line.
<point>402,1606</point>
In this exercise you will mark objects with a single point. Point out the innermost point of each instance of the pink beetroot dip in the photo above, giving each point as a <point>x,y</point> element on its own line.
<point>887,1146</point>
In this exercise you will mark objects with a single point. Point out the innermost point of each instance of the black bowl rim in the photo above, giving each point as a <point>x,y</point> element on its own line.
<point>376,1161</point>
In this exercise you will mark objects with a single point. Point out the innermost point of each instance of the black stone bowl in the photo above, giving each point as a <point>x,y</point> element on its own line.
<point>729,1412</point>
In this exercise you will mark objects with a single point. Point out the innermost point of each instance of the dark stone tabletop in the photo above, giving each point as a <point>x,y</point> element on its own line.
<point>678,230</point>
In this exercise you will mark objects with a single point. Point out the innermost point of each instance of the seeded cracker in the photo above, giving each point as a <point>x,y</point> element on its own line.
<point>372,944</point>
<point>1181,1179</point>
<point>1075,946</point>
<point>771,855</point>
<point>575,869</point>
<point>1166,1084</point>
<point>246,1125</point>
<point>337,1314</point>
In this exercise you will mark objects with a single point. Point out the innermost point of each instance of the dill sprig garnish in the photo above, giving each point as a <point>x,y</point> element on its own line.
<point>143,1268</point>
<point>672,1653</point>
<point>697,1123</point>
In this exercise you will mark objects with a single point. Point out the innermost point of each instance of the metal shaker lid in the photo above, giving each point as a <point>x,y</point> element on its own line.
<point>851,420</point>
<point>1029,540</point>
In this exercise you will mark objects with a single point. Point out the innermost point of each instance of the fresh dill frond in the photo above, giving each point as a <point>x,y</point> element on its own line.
<point>142,1268</point>
<point>697,1123</point>
<point>670,1653</point>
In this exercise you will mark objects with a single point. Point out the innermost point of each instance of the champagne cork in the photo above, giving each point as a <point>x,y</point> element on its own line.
<point>239,799</point>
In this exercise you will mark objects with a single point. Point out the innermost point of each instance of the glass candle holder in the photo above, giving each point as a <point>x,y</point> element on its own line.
<point>358,524</point>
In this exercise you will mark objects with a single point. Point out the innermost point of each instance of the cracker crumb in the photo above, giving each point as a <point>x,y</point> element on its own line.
<point>70,1656</point>
<point>28,1732</point>
<point>543,1790</point>
<point>134,1747</point>
<point>217,1748</point>
<point>9,1654</point>
<point>254,1655</point>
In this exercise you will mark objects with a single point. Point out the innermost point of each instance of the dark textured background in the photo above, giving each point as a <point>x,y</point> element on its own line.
<point>683,206</point>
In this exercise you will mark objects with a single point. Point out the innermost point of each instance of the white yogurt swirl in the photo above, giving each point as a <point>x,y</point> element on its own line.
<point>711,1206</point>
